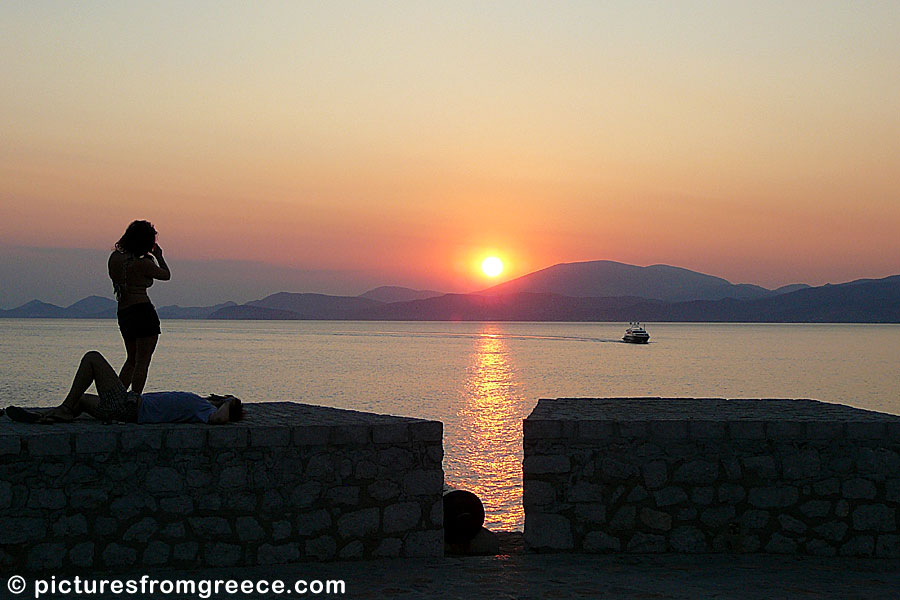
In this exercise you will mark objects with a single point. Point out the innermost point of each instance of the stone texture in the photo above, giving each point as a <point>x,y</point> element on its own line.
<point>803,465</point>
<point>389,547</point>
<point>423,483</point>
<point>269,554</point>
<point>780,544</point>
<point>697,472</point>
<point>402,516</point>
<point>95,496</point>
<point>208,527</point>
<point>731,493</point>
<point>855,489</point>
<point>156,553</point>
<point>688,539</point>
<point>352,550</point>
<point>547,464</point>
<point>670,496</point>
<point>46,557</point>
<point>222,554</point>
<point>646,543</point>
<point>18,530</point>
<point>141,531</point>
<point>163,479</point>
<point>423,543</point>
<point>655,474</point>
<point>117,555</point>
<point>623,519</point>
<point>717,517</point>
<point>599,541</point>
<point>863,545</point>
<point>548,531</point>
<point>832,530</point>
<point>655,519</point>
<point>773,497</point>
<point>82,555</point>
<point>712,475</point>
<point>358,523</point>
<point>874,517</point>
<point>792,525</point>
<point>816,508</point>
<point>248,529</point>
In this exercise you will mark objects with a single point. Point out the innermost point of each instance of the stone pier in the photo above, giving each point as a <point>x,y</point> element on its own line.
<point>291,482</point>
<point>691,475</point>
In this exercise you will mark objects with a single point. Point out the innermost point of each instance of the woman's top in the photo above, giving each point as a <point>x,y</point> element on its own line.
<point>131,276</point>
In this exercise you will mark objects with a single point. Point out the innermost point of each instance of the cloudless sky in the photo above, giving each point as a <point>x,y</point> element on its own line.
<point>344,145</point>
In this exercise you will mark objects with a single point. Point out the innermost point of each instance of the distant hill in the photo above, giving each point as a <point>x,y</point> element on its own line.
<point>173,311</point>
<point>243,311</point>
<point>93,305</point>
<point>523,306</point>
<point>786,289</point>
<point>288,305</point>
<point>393,293</point>
<point>606,278</point>
<point>870,301</point>
<point>592,291</point>
<point>314,304</point>
<point>36,310</point>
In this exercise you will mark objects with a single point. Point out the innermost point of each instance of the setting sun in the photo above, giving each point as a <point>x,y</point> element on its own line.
<point>492,266</point>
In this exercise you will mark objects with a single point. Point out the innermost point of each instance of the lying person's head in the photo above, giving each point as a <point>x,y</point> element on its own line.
<point>235,407</point>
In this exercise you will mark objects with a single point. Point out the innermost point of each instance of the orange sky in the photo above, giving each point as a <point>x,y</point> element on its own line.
<point>756,142</point>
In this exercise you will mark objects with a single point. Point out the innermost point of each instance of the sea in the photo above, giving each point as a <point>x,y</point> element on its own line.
<point>479,379</point>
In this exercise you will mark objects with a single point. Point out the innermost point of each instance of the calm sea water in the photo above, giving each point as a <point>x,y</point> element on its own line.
<point>480,379</point>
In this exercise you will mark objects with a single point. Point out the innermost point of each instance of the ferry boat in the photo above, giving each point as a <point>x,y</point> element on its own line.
<point>636,334</point>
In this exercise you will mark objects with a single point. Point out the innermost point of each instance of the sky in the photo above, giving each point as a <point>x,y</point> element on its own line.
<point>335,146</point>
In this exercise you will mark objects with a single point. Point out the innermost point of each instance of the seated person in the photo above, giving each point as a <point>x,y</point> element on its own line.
<point>112,403</point>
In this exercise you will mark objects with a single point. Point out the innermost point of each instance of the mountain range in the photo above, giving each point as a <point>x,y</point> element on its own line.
<point>584,291</point>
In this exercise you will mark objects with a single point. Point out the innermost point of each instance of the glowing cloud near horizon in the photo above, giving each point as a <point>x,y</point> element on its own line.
<point>492,266</point>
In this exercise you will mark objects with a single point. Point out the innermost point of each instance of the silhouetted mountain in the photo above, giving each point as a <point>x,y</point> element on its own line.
<point>393,293</point>
<point>312,305</point>
<point>35,310</point>
<point>860,301</point>
<point>247,312</point>
<point>870,301</point>
<point>523,306</point>
<point>786,289</point>
<point>92,305</point>
<point>174,311</point>
<point>605,278</point>
<point>286,305</point>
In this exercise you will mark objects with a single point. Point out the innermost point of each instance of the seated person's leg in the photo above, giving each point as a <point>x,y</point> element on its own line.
<point>92,369</point>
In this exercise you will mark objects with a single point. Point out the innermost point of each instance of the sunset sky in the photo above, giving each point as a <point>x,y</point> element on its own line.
<point>336,146</point>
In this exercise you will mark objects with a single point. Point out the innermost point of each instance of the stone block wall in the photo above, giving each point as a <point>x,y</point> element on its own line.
<point>289,483</point>
<point>711,475</point>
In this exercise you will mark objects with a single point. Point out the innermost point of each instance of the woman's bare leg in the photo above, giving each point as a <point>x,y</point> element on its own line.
<point>92,369</point>
<point>126,373</point>
<point>144,348</point>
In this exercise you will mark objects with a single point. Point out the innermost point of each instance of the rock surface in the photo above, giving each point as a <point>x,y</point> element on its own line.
<point>692,475</point>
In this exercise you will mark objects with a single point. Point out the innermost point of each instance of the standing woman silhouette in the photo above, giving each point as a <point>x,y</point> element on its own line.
<point>132,270</point>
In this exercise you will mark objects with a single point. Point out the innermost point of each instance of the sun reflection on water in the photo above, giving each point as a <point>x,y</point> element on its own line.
<point>490,432</point>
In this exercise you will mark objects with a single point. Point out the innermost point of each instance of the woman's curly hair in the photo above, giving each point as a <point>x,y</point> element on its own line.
<point>138,239</point>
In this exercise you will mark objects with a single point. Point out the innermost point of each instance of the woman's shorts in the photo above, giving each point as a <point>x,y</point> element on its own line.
<point>138,320</point>
<point>116,404</point>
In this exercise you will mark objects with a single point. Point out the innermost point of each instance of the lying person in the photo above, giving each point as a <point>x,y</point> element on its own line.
<point>112,403</point>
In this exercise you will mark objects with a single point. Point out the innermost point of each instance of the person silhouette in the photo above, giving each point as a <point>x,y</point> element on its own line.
<point>113,403</point>
<point>132,269</point>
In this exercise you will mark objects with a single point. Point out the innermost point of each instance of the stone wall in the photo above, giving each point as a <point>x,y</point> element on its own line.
<point>711,475</point>
<point>290,482</point>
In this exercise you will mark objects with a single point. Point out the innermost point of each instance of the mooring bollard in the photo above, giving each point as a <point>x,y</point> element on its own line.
<point>463,516</point>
